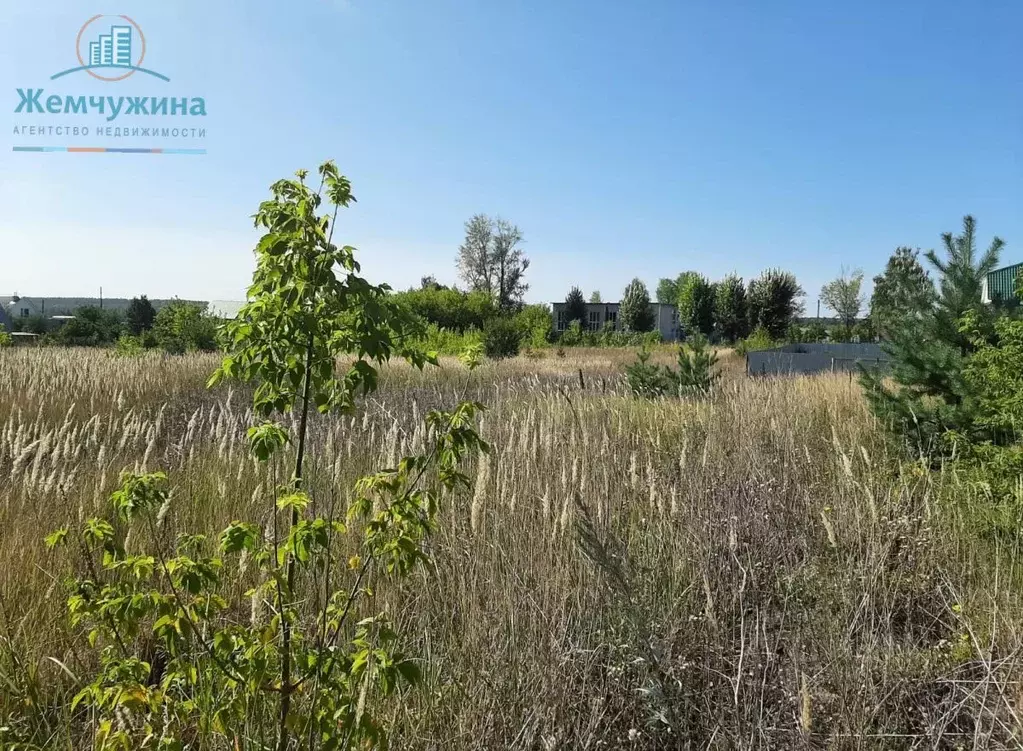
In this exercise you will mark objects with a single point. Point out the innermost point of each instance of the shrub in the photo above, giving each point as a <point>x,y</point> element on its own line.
<point>91,327</point>
<point>5,339</point>
<point>535,325</point>
<point>448,342</point>
<point>185,327</point>
<point>449,309</point>
<point>129,346</point>
<point>573,335</point>
<point>760,339</point>
<point>501,338</point>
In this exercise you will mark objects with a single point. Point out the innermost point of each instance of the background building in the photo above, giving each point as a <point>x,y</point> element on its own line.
<point>1000,284</point>
<point>601,314</point>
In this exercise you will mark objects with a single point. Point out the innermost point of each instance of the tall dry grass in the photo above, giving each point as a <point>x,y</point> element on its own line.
<point>755,570</point>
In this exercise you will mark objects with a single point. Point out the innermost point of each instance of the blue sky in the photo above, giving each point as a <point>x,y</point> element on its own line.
<point>625,139</point>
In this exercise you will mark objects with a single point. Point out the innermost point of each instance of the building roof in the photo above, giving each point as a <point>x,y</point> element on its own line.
<point>224,308</point>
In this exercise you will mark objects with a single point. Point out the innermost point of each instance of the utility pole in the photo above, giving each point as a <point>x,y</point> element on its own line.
<point>101,301</point>
<point>818,310</point>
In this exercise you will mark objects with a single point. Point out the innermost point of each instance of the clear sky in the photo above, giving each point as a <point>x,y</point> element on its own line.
<point>625,138</point>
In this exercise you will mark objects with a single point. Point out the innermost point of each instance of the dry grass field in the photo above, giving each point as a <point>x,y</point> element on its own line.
<point>755,570</point>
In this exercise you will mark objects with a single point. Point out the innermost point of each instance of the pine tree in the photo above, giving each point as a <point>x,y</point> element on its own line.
<point>929,352</point>
<point>696,374</point>
<point>634,311</point>
<point>575,306</point>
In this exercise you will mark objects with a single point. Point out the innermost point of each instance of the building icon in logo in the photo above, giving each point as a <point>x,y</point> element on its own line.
<point>114,55</point>
<point>113,49</point>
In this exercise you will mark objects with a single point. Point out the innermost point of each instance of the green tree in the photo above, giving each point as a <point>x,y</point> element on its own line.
<point>695,305</point>
<point>501,338</point>
<point>595,296</point>
<point>491,260</point>
<point>510,264</point>
<point>730,314</point>
<point>844,296</point>
<point>449,309</point>
<point>181,327</point>
<point>667,291</point>
<point>430,282</point>
<point>960,284</point>
<point>475,255</point>
<point>931,393</point>
<point>696,374</point>
<point>90,327</point>
<point>575,307</point>
<point>904,290</point>
<point>317,670</point>
<point>35,324</point>
<point>141,315</point>
<point>634,311</point>
<point>535,325</point>
<point>994,373</point>
<point>773,301</point>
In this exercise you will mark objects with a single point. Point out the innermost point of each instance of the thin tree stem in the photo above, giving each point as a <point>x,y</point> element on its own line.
<point>286,687</point>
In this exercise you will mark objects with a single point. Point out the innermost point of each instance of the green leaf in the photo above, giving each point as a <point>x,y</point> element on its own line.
<point>55,538</point>
<point>239,536</point>
<point>297,501</point>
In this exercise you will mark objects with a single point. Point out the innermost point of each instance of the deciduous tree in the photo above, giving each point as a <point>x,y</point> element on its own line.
<point>491,260</point>
<point>730,315</point>
<point>773,301</point>
<point>695,304</point>
<point>634,311</point>
<point>844,296</point>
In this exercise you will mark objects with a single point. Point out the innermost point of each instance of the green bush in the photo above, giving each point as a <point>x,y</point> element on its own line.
<point>535,326</point>
<point>91,327</point>
<point>185,327</point>
<point>129,346</point>
<point>760,339</point>
<point>572,336</point>
<point>448,308</point>
<point>501,338</point>
<point>5,339</point>
<point>448,342</point>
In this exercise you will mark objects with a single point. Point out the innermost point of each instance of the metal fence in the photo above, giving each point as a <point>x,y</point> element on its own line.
<point>803,359</point>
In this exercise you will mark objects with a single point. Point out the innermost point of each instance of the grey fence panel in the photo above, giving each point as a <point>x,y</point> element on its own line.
<point>842,350</point>
<point>781,362</point>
